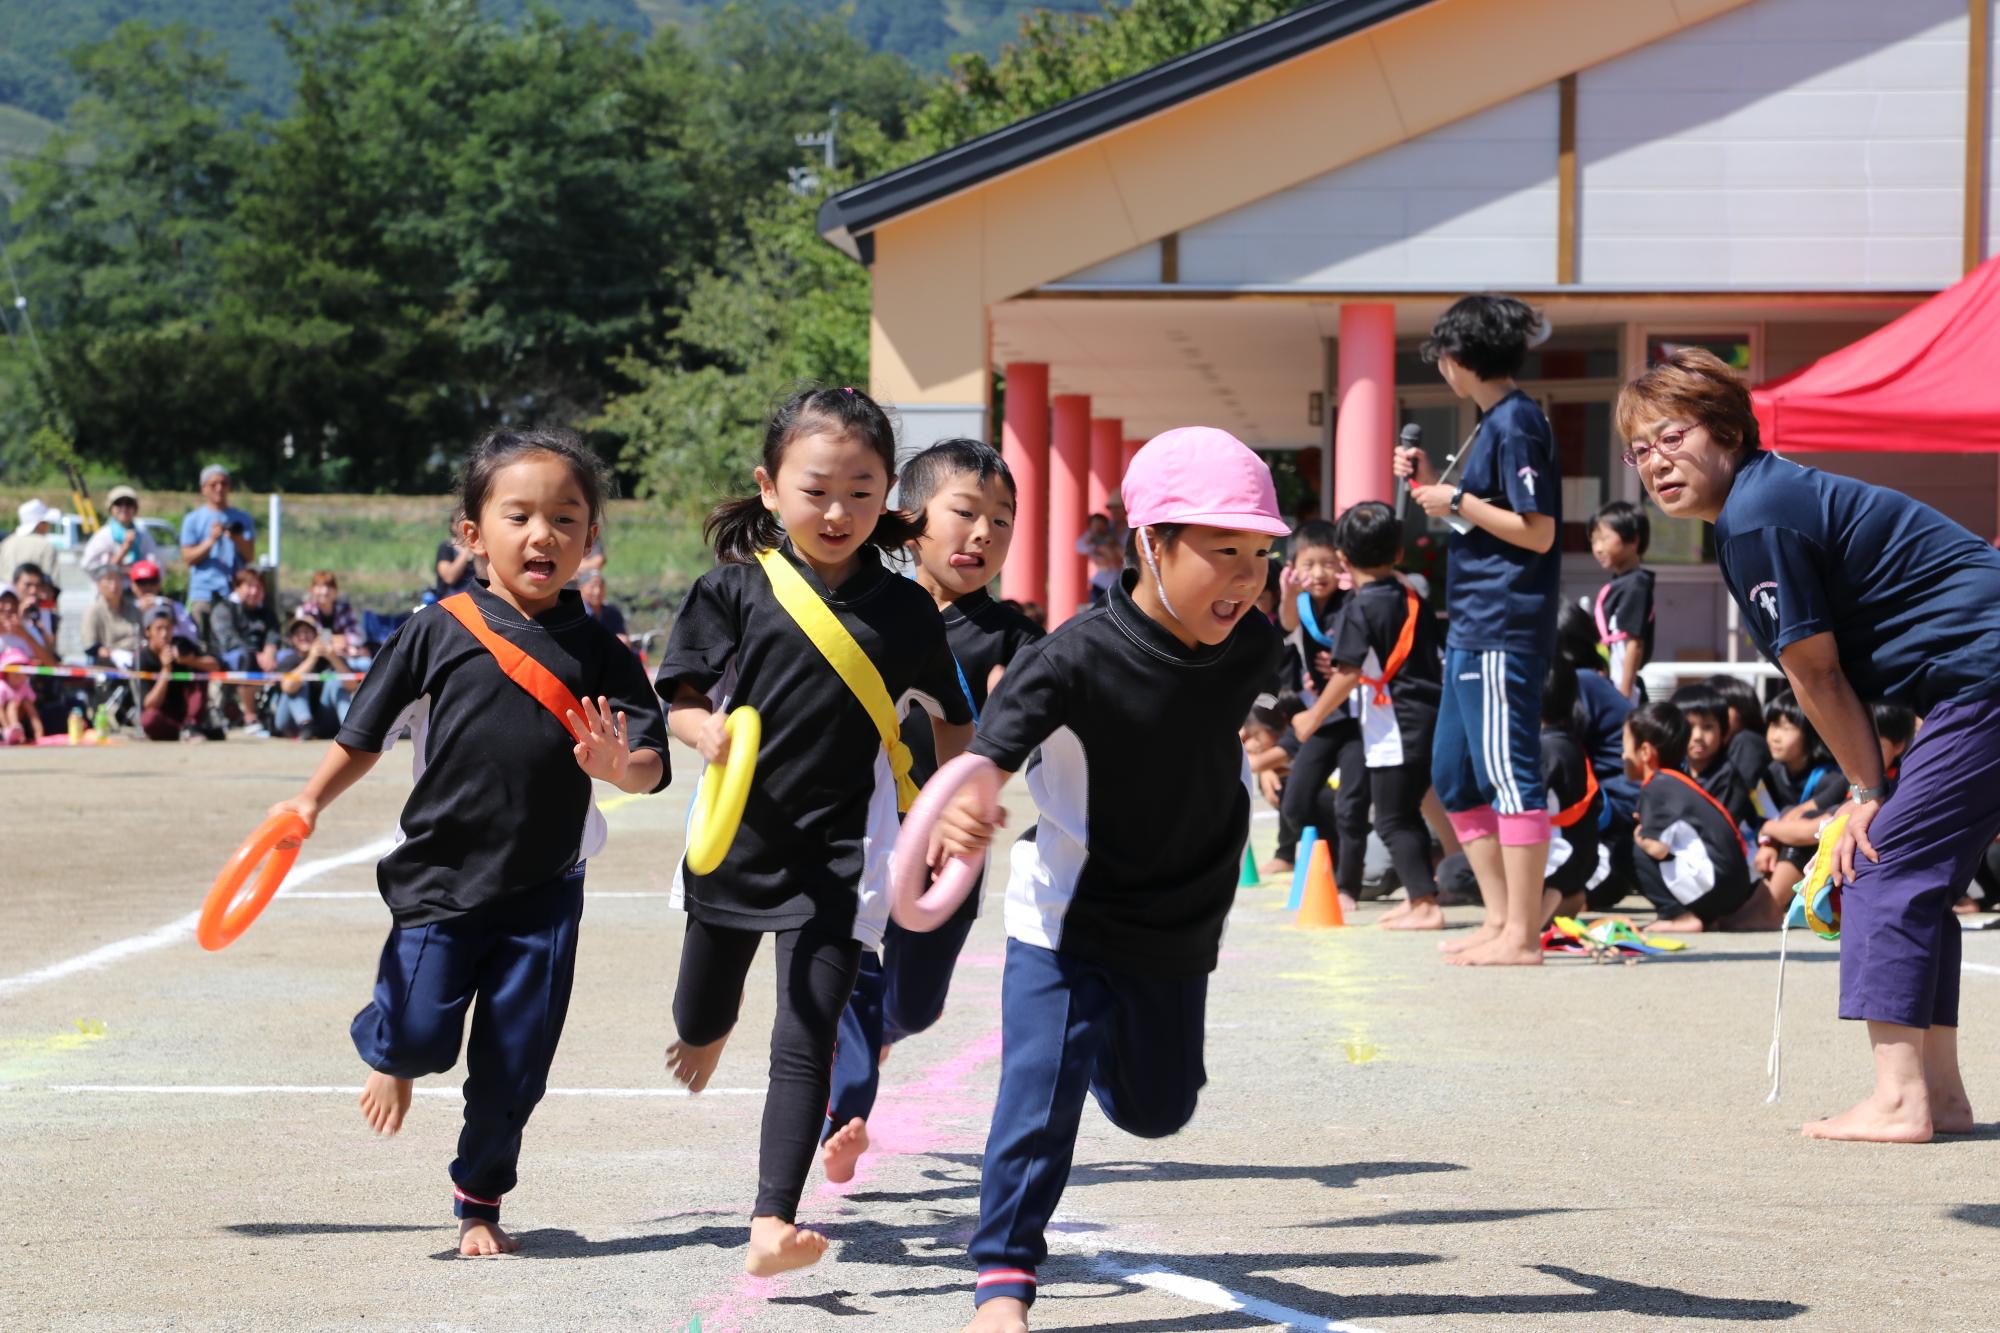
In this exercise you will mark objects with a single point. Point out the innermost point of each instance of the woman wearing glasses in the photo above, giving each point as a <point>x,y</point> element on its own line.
<point>1859,594</point>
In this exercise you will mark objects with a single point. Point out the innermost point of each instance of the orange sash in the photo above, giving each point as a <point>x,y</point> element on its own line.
<point>1406,639</point>
<point>1727,818</point>
<point>1570,814</point>
<point>523,670</point>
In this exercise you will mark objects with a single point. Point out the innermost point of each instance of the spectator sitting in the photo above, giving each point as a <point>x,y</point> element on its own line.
<point>146,592</point>
<point>305,707</point>
<point>37,597</point>
<point>1109,557</point>
<point>335,618</point>
<point>113,626</point>
<point>1096,531</point>
<point>121,542</point>
<point>30,543</point>
<point>216,541</point>
<point>457,569</point>
<point>171,709</point>
<point>19,718</point>
<point>591,585</point>
<point>244,634</point>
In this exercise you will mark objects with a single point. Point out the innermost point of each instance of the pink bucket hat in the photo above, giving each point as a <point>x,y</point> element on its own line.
<point>1198,474</point>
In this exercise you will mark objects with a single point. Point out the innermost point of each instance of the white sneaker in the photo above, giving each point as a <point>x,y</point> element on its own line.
<point>257,730</point>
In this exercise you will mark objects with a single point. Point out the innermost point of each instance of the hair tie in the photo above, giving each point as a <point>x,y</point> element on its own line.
<point>847,390</point>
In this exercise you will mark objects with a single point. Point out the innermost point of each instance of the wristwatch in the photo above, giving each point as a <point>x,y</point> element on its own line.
<point>1862,795</point>
<point>1457,497</point>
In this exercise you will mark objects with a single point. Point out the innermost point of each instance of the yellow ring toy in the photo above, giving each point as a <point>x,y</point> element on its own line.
<point>718,806</point>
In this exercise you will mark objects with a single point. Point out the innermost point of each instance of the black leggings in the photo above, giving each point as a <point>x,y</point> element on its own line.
<point>815,974</point>
<point>1335,747</point>
<point>1398,794</point>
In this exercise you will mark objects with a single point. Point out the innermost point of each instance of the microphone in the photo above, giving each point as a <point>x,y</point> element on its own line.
<point>1412,437</point>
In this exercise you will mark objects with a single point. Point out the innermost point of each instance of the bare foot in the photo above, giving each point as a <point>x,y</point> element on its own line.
<point>384,1102</point>
<point>1876,1120</point>
<point>1002,1314</point>
<point>1271,869</point>
<point>478,1238</point>
<point>1951,1115</point>
<point>841,1152</point>
<point>1966,906</point>
<point>1395,913</point>
<point>692,1066</point>
<point>1482,934</point>
<point>1499,953</point>
<point>1762,912</point>
<point>882,1056</point>
<point>1423,914</point>
<point>1687,923</point>
<point>777,1246</point>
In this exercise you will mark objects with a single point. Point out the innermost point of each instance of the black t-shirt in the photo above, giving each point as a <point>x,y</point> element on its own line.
<point>499,804</point>
<point>1722,782</point>
<point>1364,635</point>
<point>1325,615</point>
<point>1707,853</point>
<point>1824,787</point>
<point>449,551</point>
<point>1566,775</point>
<point>1143,788</point>
<point>1749,754</point>
<point>983,634</point>
<point>1624,614</point>
<point>814,822</point>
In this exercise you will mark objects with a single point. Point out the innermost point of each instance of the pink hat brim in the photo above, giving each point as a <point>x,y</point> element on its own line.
<point>1264,523</point>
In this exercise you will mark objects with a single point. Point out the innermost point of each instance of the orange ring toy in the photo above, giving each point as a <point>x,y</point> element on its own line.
<point>228,911</point>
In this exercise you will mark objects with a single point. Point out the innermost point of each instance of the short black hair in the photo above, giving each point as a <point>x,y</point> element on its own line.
<point>1893,722</point>
<point>1741,696</point>
<point>28,567</point>
<point>1488,335</point>
<point>1369,535</point>
<point>1576,638</point>
<point>1661,726</point>
<point>1784,707</point>
<point>1703,699</point>
<point>1315,532</point>
<point>1628,521</point>
<point>1275,712</point>
<point>924,475</point>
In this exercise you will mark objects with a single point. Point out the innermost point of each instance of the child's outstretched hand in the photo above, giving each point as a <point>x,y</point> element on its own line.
<point>602,749</point>
<point>1289,582</point>
<point>966,826</point>
<point>305,807</point>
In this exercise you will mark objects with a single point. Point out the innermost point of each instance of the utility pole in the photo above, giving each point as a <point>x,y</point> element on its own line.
<point>804,179</point>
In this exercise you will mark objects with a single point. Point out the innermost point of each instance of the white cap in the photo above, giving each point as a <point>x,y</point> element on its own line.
<point>34,513</point>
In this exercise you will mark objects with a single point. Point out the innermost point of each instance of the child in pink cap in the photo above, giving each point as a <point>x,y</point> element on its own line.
<point>1115,907</point>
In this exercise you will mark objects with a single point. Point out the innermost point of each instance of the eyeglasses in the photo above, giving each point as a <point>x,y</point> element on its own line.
<point>1667,446</point>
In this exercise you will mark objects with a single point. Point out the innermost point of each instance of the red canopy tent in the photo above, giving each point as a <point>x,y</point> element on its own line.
<point>1929,382</point>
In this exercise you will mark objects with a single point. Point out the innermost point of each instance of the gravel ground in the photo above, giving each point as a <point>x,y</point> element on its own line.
<point>1384,1143</point>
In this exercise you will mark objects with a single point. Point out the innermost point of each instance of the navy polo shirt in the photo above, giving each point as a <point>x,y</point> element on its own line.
<point>1499,595</point>
<point>1911,598</point>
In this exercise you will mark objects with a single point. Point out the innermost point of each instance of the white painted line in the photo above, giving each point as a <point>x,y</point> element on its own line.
<point>1217,1297</point>
<point>179,929</point>
<point>323,1090</point>
<point>1979,967</point>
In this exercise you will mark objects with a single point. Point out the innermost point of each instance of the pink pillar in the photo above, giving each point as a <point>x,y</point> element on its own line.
<point>1107,453</point>
<point>1024,442</point>
<point>1132,448</point>
<point>1365,430</point>
<point>1069,470</point>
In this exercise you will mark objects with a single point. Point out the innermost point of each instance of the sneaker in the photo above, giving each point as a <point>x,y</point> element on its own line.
<point>256,730</point>
<point>213,733</point>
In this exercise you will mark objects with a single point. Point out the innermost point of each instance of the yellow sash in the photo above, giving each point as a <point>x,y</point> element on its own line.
<point>847,659</point>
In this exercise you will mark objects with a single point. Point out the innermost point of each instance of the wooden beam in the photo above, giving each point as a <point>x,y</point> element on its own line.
<point>1170,257</point>
<point>1566,180</point>
<point>1978,75</point>
<point>1533,295</point>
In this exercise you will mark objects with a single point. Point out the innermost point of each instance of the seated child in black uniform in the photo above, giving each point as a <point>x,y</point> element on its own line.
<point>486,886</point>
<point>1116,903</point>
<point>964,493</point>
<point>1743,739</point>
<point>1805,785</point>
<point>1386,640</point>
<point>1692,865</point>
<point>1707,714</point>
<point>800,585</point>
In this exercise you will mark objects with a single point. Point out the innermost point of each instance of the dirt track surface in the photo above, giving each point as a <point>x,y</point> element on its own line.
<point>1384,1143</point>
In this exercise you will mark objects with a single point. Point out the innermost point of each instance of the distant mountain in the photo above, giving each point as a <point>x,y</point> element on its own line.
<point>34,34</point>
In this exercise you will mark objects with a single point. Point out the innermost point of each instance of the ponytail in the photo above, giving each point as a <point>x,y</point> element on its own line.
<point>738,529</point>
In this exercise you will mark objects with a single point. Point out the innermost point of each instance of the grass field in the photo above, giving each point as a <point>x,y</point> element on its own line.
<point>382,545</point>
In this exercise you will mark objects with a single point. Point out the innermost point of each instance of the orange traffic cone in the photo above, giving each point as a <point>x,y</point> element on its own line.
<point>1321,907</point>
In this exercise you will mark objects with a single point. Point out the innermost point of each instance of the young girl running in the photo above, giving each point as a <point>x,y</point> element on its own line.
<point>802,585</point>
<point>1116,904</point>
<point>486,885</point>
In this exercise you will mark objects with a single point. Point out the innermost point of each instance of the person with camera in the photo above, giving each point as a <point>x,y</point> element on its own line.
<point>216,541</point>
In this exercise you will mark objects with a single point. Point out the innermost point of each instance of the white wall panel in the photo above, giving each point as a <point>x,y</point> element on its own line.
<point>1788,143</point>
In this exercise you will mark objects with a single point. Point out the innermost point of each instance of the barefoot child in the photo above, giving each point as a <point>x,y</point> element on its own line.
<point>964,494</point>
<point>1707,714</point>
<point>801,586</point>
<point>1116,903</point>
<point>1692,865</point>
<point>486,885</point>
<point>1619,535</point>
<point>1743,739</point>
<point>1857,592</point>
<point>1385,640</point>
<point>1505,507</point>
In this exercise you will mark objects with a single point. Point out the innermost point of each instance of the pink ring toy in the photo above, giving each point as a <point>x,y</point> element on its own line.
<point>911,906</point>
